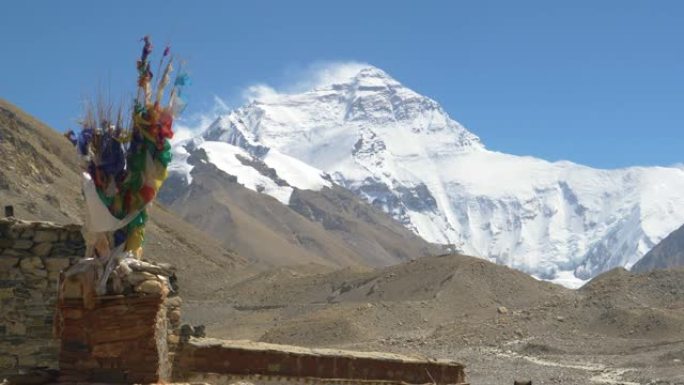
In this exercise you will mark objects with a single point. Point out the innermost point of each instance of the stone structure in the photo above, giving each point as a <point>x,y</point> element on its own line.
<point>122,339</point>
<point>225,362</point>
<point>124,335</point>
<point>52,318</point>
<point>32,254</point>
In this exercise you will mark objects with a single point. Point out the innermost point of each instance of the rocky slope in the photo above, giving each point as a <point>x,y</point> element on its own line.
<point>402,153</point>
<point>290,214</point>
<point>667,254</point>
<point>39,177</point>
<point>619,328</point>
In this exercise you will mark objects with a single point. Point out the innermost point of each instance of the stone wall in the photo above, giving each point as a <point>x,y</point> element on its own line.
<point>224,362</point>
<point>32,254</point>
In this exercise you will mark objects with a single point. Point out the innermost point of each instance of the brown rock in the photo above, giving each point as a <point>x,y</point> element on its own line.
<point>174,302</point>
<point>7,262</point>
<point>45,236</point>
<point>56,264</point>
<point>32,263</point>
<point>175,316</point>
<point>37,273</point>
<point>22,244</point>
<point>150,287</point>
<point>42,249</point>
<point>7,361</point>
<point>137,277</point>
<point>6,243</point>
<point>53,276</point>
<point>6,292</point>
<point>16,328</point>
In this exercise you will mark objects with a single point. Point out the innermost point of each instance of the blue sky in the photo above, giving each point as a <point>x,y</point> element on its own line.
<point>595,82</point>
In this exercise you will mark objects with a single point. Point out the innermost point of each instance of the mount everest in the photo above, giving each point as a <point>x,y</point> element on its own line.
<point>401,152</point>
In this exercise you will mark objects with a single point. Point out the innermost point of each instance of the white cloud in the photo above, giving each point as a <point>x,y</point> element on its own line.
<point>193,125</point>
<point>323,74</point>
<point>259,92</point>
<point>316,75</point>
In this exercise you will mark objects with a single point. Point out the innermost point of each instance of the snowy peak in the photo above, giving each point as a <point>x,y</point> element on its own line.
<point>367,78</point>
<point>401,152</point>
<point>322,126</point>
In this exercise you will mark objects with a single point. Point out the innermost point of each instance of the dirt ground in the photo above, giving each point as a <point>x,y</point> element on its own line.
<point>621,328</point>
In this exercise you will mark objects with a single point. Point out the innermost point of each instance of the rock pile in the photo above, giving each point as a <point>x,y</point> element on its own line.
<point>91,277</point>
<point>32,255</point>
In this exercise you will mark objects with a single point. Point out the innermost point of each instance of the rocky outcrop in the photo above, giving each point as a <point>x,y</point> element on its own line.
<point>667,254</point>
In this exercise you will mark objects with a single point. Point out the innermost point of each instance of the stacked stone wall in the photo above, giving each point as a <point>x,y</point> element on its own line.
<point>32,255</point>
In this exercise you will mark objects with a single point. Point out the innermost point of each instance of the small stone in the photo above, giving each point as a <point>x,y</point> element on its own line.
<point>173,339</point>
<point>6,243</point>
<point>38,284</point>
<point>175,316</point>
<point>174,302</point>
<point>560,318</point>
<point>42,249</point>
<point>7,262</point>
<point>45,236</point>
<point>56,264</point>
<point>502,310</point>
<point>14,253</point>
<point>37,273</point>
<point>138,277</point>
<point>53,276</point>
<point>7,361</point>
<point>16,328</point>
<point>6,292</point>
<point>28,361</point>
<point>29,264</point>
<point>22,244</point>
<point>150,287</point>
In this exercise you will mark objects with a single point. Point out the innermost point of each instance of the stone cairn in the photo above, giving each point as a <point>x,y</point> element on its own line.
<point>125,335</point>
<point>32,255</point>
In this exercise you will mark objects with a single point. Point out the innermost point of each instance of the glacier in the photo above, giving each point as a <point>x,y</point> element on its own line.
<point>401,152</point>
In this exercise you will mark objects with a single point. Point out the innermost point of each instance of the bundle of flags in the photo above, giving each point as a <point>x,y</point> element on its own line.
<point>125,158</point>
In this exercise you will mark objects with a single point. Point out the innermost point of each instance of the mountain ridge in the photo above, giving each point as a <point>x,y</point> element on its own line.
<point>402,153</point>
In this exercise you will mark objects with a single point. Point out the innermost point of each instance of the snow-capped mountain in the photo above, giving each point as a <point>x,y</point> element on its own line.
<point>403,153</point>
